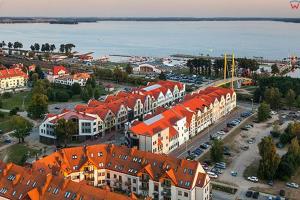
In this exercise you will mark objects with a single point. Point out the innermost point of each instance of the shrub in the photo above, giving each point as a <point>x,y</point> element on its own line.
<point>6,95</point>
<point>62,96</point>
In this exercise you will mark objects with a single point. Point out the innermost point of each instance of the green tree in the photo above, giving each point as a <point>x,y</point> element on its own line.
<point>290,161</point>
<point>52,47</point>
<point>263,112</point>
<point>290,98</point>
<point>34,78</point>
<point>32,48</point>
<point>118,75</point>
<point>273,97</point>
<point>84,95</point>
<point>22,127</point>
<point>38,105</point>
<point>269,159</point>
<point>64,130</point>
<point>298,101</point>
<point>217,151</point>
<point>62,96</point>
<point>62,48</point>
<point>275,69</point>
<point>76,88</point>
<point>97,93</point>
<point>36,46</point>
<point>162,76</point>
<point>90,90</point>
<point>128,69</point>
<point>91,81</point>
<point>250,64</point>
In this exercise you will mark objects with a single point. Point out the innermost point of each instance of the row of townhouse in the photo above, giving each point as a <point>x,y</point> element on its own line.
<point>143,174</point>
<point>164,132</point>
<point>12,79</point>
<point>32,183</point>
<point>98,117</point>
<point>60,75</point>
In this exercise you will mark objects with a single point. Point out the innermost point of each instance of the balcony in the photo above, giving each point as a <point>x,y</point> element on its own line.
<point>144,179</point>
<point>128,183</point>
<point>90,179</point>
<point>144,187</point>
<point>88,171</point>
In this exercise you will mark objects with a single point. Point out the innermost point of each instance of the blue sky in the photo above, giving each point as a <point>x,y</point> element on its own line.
<point>150,8</point>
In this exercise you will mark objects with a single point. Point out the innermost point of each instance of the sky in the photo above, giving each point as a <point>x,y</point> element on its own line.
<point>148,8</point>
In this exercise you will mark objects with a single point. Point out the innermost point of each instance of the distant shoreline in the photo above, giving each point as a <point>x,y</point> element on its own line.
<point>75,20</point>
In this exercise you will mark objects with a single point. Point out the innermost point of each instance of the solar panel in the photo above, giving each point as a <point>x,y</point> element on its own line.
<point>153,119</point>
<point>152,87</point>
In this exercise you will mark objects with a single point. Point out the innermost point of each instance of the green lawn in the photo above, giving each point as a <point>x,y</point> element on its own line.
<point>17,100</point>
<point>5,125</point>
<point>18,153</point>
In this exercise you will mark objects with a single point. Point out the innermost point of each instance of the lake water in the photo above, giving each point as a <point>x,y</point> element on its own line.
<point>267,39</point>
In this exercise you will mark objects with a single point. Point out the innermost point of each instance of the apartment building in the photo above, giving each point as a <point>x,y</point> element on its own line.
<point>32,183</point>
<point>57,71</point>
<point>140,173</point>
<point>116,110</point>
<point>69,80</point>
<point>12,79</point>
<point>168,130</point>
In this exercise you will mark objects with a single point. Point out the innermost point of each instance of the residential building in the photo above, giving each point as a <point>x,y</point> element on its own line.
<point>168,130</point>
<point>37,183</point>
<point>12,79</point>
<point>57,71</point>
<point>116,110</point>
<point>144,174</point>
<point>146,69</point>
<point>69,80</point>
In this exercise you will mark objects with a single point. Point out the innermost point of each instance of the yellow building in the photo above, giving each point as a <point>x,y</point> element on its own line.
<point>11,79</point>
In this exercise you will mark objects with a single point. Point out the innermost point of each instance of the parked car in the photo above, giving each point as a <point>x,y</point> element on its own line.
<point>253,179</point>
<point>212,175</point>
<point>245,148</point>
<point>7,141</point>
<point>204,146</point>
<point>282,193</point>
<point>221,133</point>
<point>249,193</point>
<point>233,173</point>
<point>270,183</point>
<point>216,170</point>
<point>292,185</point>
<point>255,195</point>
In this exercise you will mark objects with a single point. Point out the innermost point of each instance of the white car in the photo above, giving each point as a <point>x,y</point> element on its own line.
<point>221,133</point>
<point>273,112</point>
<point>292,185</point>
<point>212,175</point>
<point>253,179</point>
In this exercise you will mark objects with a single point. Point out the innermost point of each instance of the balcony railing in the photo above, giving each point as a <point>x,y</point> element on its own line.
<point>166,193</point>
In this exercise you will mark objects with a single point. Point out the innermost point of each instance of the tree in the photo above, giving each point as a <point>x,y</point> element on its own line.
<point>69,47</point>
<point>52,47</point>
<point>90,90</point>
<point>298,101</point>
<point>32,48</point>
<point>162,76</point>
<point>290,161</point>
<point>91,81</point>
<point>97,94</point>
<point>217,151</point>
<point>38,105</point>
<point>47,47</point>
<point>62,48</point>
<point>290,98</point>
<point>62,96</point>
<point>269,159</point>
<point>36,46</point>
<point>64,129</point>
<point>128,69</point>
<point>22,127</point>
<point>250,64</point>
<point>275,69</point>
<point>76,88</point>
<point>10,45</point>
<point>118,75</point>
<point>273,96</point>
<point>263,112</point>
<point>84,95</point>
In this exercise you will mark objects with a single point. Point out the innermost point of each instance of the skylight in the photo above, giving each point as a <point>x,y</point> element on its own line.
<point>152,87</point>
<point>153,119</point>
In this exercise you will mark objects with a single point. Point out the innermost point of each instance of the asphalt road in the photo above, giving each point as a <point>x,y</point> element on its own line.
<point>204,136</point>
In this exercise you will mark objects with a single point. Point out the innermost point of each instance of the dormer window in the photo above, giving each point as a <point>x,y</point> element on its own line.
<point>100,154</point>
<point>74,157</point>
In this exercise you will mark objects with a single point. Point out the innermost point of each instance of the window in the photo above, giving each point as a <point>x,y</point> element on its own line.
<point>134,189</point>
<point>108,175</point>
<point>115,176</point>
<point>179,193</point>
<point>186,194</point>
<point>134,180</point>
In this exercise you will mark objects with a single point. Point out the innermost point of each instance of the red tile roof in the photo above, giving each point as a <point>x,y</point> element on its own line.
<point>57,69</point>
<point>15,72</point>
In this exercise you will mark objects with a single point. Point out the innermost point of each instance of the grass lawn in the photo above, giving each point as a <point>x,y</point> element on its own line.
<point>16,100</point>
<point>18,153</point>
<point>5,125</point>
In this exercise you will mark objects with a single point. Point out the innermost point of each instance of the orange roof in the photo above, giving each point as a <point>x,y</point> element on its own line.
<point>35,183</point>
<point>57,69</point>
<point>123,160</point>
<point>9,73</point>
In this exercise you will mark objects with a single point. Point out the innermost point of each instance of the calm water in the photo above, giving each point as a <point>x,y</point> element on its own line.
<point>267,39</point>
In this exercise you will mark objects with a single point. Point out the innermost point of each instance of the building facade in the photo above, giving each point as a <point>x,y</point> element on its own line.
<point>117,110</point>
<point>168,130</point>
<point>69,80</point>
<point>144,174</point>
<point>12,79</point>
<point>37,183</point>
